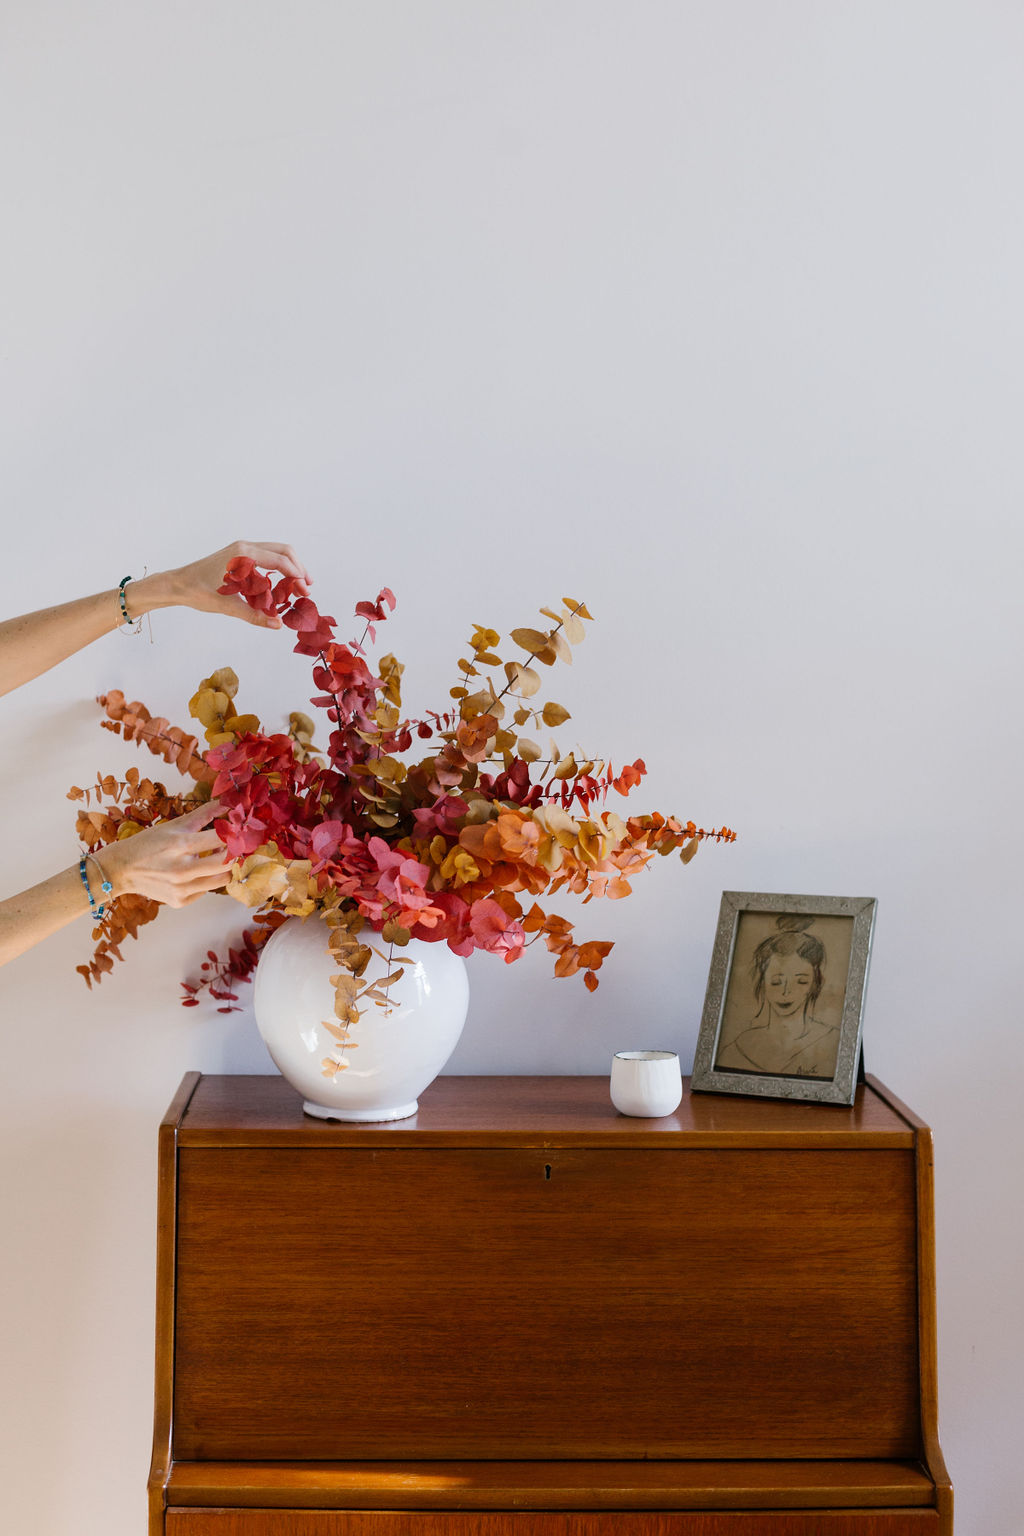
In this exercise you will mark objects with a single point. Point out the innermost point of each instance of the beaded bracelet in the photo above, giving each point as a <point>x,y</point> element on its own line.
<point>134,625</point>
<point>105,887</point>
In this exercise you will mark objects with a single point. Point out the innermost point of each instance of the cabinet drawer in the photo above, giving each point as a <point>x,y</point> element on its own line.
<point>285,1522</point>
<point>545,1303</point>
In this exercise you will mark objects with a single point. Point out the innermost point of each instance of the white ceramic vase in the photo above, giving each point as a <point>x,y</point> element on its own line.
<point>397,1052</point>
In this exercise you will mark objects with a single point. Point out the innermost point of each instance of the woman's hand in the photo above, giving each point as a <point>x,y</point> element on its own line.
<point>195,585</point>
<point>175,862</point>
<point>36,642</point>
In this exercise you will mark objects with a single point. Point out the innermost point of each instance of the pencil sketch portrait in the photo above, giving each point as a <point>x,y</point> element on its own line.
<point>784,1002</point>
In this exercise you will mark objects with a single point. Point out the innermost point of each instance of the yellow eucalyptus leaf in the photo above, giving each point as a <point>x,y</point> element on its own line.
<point>476,704</point>
<point>575,607</point>
<point>528,750</point>
<point>554,714</point>
<point>574,630</point>
<point>561,646</point>
<point>338,1032</point>
<point>361,958</point>
<point>209,705</point>
<point>239,724</point>
<point>484,639</point>
<point>616,826</point>
<point>388,769</point>
<point>532,640</point>
<point>224,680</point>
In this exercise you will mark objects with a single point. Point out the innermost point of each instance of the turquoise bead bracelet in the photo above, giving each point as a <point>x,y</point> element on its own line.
<point>133,625</point>
<point>105,887</point>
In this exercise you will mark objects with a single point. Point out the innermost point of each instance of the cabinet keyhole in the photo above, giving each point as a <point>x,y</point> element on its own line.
<point>547,1170</point>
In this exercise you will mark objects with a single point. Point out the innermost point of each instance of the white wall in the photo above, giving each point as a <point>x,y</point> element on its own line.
<point>710,315</point>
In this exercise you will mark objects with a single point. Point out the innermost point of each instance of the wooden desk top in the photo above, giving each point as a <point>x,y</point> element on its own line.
<point>245,1111</point>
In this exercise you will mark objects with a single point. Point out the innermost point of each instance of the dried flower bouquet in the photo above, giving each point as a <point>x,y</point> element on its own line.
<point>453,847</point>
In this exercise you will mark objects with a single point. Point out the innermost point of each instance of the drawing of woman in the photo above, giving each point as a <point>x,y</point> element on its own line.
<point>785,1038</point>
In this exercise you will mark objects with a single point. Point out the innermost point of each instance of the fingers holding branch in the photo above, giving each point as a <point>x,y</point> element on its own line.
<point>195,585</point>
<point>172,862</point>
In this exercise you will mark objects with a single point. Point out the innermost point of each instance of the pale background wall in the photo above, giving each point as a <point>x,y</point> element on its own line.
<point>710,315</point>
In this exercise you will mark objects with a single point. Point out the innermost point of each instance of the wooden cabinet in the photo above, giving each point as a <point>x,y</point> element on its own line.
<point>520,1312</point>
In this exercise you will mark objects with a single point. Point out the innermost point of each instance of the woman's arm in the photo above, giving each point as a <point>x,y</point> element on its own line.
<point>34,643</point>
<point>175,862</point>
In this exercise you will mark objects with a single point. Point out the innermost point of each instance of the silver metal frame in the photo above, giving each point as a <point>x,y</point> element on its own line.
<point>843,1086</point>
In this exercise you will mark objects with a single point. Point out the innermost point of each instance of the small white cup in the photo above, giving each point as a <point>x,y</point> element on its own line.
<point>646,1083</point>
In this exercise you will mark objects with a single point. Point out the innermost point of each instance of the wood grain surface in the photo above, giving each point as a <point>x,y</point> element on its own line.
<point>250,1522</point>
<point>550,1485</point>
<point>166,1266</point>
<point>532,1111</point>
<point>408,1302</point>
<point>924,1158</point>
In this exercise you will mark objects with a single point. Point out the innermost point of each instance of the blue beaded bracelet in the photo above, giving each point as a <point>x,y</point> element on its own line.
<point>105,887</point>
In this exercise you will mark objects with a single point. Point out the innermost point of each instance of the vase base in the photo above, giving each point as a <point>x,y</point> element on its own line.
<point>331,1112</point>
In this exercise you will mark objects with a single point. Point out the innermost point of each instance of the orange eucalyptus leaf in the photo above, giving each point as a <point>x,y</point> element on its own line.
<point>186,752</point>
<point>568,962</point>
<point>594,951</point>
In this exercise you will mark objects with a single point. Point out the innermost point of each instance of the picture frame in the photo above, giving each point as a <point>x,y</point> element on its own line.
<point>783,1012</point>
